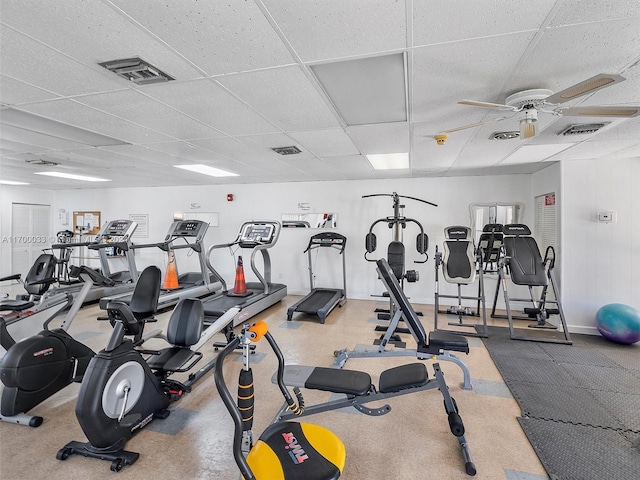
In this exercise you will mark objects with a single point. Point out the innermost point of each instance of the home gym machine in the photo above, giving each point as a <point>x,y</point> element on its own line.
<point>524,264</point>
<point>460,263</point>
<point>321,301</point>
<point>40,365</point>
<point>396,252</point>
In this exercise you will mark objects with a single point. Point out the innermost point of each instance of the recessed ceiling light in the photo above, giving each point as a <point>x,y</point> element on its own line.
<point>389,161</point>
<point>207,170</point>
<point>72,176</point>
<point>11,182</point>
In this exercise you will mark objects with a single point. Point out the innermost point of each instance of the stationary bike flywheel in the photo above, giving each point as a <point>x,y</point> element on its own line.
<point>123,389</point>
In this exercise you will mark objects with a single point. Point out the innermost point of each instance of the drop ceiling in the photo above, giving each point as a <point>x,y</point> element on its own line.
<point>245,83</point>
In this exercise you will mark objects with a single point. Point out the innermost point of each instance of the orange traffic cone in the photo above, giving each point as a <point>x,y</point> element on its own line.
<point>240,285</point>
<point>171,277</point>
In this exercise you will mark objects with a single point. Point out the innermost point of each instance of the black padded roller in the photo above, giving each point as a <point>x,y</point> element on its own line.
<point>455,424</point>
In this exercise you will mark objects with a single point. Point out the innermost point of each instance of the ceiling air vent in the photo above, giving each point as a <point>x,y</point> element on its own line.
<point>41,162</point>
<point>137,71</point>
<point>504,135</point>
<point>292,150</point>
<point>583,128</point>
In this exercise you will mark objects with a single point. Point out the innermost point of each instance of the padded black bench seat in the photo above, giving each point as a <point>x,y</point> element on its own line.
<point>16,305</point>
<point>352,382</point>
<point>448,341</point>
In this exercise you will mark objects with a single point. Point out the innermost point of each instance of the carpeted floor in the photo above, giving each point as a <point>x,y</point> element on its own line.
<point>580,403</point>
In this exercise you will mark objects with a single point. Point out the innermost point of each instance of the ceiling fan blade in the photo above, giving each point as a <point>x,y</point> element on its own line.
<point>625,111</point>
<point>471,125</point>
<point>475,103</point>
<point>583,88</point>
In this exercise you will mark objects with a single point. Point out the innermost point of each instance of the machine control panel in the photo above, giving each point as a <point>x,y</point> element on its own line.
<point>187,228</point>
<point>253,234</point>
<point>116,231</point>
<point>327,239</point>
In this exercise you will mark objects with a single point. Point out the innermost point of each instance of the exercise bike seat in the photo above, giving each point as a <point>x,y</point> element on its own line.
<point>183,331</point>
<point>16,305</point>
<point>295,451</point>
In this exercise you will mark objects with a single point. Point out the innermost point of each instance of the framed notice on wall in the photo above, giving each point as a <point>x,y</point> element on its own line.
<point>86,223</point>
<point>142,219</point>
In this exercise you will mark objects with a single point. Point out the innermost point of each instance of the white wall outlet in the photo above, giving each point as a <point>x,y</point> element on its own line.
<point>606,217</point>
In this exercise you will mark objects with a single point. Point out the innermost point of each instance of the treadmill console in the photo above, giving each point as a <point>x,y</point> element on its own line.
<point>327,239</point>
<point>116,231</point>
<point>253,234</point>
<point>187,228</point>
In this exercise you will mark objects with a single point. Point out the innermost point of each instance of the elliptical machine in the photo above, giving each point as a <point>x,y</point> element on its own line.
<point>38,366</point>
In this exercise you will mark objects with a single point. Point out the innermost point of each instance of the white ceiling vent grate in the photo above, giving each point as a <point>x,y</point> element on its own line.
<point>137,71</point>
<point>292,150</point>
<point>504,135</point>
<point>583,128</point>
<point>39,161</point>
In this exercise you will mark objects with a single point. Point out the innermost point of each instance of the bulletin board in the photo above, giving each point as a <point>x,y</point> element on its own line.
<point>86,223</point>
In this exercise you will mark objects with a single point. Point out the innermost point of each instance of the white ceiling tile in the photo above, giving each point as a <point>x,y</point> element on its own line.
<point>565,56</point>
<point>328,29</point>
<point>460,19</point>
<point>588,11</point>
<point>107,34</point>
<point>263,144</point>
<point>212,105</point>
<point>31,62</point>
<point>183,151</point>
<point>12,133</point>
<point>218,37</point>
<point>476,70</point>
<point>143,110</point>
<point>82,116</point>
<point>285,96</point>
<point>357,164</point>
<point>594,149</point>
<point>15,92</point>
<point>383,138</point>
<point>330,143</point>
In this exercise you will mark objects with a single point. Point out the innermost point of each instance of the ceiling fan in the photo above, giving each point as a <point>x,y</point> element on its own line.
<point>530,102</point>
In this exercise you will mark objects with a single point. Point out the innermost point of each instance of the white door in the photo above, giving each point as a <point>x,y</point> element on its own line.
<point>30,234</point>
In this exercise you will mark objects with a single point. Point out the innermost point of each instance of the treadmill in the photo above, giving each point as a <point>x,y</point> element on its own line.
<point>182,234</point>
<point>229,309</point>
<point>321,301</point>
<point>113,236</point>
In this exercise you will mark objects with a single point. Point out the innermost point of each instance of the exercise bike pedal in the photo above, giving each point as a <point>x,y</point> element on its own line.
<point>128,421</point>
<point>162,414</point>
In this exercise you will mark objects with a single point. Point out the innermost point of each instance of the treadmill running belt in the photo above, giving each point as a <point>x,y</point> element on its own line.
<point>316,300</point>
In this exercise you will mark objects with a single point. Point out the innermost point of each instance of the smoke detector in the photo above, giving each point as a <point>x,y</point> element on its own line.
<point>292,150</point>
<point>583,128</point>
<point>137,71</point>
<point>504,135</point>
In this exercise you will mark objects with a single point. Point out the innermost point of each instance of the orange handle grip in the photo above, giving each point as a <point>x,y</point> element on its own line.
<point>259,329</point>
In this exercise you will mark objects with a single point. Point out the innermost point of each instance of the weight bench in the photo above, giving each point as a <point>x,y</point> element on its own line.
<point>459,264</point>
<point>437,345</point>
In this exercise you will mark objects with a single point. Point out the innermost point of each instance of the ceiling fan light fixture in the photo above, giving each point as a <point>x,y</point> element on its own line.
<point>528,124</point>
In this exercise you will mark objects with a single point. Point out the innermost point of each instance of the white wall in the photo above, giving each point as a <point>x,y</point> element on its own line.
<point>546,181</point>
<point>355,215</point>
<point>601,262</point>
<point>16,194</point>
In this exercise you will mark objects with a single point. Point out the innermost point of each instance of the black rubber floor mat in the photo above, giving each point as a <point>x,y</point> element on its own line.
<point>578,452</point>
<point>567,404</point>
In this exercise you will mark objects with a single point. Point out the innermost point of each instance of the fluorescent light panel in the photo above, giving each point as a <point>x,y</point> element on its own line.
<point>368,90</point>
<point>389,161</point>
<point>11,182</point>
<point>207,170</point>
<point>72,176</point>
<point>535,153</point>
<point>46,126</point>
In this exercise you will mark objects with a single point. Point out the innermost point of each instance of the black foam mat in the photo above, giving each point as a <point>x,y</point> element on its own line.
<point>580,452</point>
<point>580,403</point>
